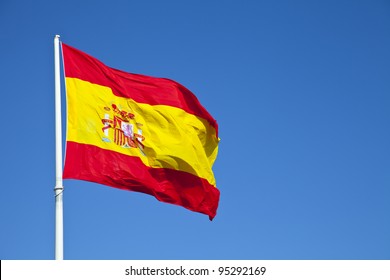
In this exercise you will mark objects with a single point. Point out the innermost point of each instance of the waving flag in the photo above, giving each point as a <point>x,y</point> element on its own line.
<point>138,133</point>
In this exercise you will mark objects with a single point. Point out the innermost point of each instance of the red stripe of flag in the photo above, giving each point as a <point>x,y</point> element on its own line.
<point>137,87</point>
<point>129,173</point>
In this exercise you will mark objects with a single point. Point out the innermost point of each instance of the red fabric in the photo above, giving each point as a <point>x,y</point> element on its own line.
<point>90,163</point>
<point>140,88</point>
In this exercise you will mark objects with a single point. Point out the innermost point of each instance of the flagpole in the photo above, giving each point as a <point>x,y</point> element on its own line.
<point>58,189</point>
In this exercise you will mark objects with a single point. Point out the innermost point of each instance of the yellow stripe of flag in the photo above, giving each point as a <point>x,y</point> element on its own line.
<point>161,136</point>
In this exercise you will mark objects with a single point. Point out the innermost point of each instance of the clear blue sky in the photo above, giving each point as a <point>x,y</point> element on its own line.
<point>301,92</point>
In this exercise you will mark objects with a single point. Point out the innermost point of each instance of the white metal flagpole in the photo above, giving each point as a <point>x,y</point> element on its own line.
<point>59,188</point>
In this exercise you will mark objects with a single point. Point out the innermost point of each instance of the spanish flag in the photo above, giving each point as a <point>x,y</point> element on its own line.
<point>138,133</point>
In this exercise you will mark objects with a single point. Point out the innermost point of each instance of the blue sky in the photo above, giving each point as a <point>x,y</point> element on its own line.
<point>301,92</point>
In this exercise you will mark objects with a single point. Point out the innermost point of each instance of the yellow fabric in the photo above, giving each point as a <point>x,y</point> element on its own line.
<point>164,136</point>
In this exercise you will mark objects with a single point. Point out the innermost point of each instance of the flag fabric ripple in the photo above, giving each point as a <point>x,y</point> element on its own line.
<point>138,133</point>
